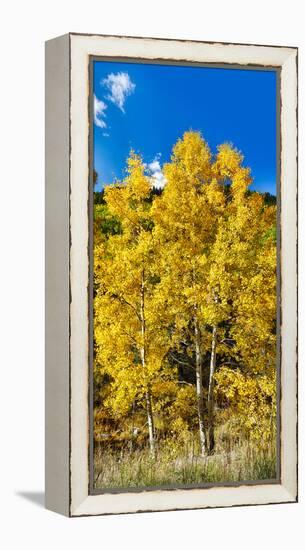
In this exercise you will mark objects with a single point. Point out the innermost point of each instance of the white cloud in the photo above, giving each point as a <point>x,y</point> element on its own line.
<point>99,108</point>
<point>154,169</point>
<point>120,86</point>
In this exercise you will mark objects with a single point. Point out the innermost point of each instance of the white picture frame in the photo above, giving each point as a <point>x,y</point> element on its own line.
<point>67,273</point>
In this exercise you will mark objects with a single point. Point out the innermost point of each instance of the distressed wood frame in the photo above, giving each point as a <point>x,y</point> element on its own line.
<point>67,274</point>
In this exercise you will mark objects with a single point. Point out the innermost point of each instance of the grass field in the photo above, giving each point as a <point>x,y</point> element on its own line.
<point>135,469</point>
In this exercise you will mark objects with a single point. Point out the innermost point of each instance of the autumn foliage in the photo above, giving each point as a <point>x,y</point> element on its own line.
<point>184,308</point>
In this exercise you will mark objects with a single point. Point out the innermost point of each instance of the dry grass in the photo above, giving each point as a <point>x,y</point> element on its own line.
<point>125,469</point>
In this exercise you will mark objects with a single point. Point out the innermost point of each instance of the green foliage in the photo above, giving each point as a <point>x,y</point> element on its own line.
<point>104,222</point>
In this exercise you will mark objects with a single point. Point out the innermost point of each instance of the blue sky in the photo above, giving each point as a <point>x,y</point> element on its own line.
<point>147,107</point>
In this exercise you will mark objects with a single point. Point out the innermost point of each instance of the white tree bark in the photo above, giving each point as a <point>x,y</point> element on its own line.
<point>199,390</point>
<point>211,434</point>
<point>149,412</point>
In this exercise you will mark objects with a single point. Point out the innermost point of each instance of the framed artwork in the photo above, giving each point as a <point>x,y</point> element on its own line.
<point>171,274</point>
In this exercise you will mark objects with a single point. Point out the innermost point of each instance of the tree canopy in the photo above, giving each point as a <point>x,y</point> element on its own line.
<point>185,302</point>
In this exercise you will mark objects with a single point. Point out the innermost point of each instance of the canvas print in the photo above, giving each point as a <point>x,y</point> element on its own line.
<point>184,300</point>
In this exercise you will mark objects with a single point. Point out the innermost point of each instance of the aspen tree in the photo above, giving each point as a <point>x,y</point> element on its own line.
<point>130,341</point>
<point>183,224</point>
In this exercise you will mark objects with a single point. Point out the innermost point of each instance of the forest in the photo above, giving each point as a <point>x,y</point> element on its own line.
<point>184,323</point>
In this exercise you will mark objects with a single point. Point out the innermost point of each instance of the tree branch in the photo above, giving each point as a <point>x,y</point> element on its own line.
<point>124,301</point>
<point>185,363</point>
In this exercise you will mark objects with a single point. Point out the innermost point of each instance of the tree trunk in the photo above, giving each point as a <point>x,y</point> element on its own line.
<point>199,391</point>
<point>211,435</point>
<point>150,421</point>
<point>150,418</point>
